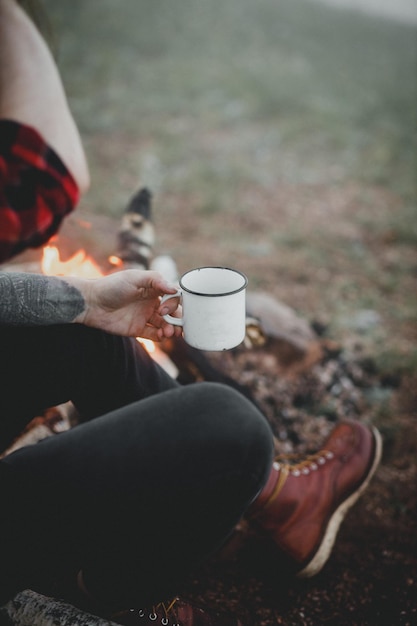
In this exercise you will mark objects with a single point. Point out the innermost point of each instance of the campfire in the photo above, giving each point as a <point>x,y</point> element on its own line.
<point>80,264</point>
<point>283,366</point>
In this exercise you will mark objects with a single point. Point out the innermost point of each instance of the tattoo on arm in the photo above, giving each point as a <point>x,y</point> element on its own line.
<point>36,300</point>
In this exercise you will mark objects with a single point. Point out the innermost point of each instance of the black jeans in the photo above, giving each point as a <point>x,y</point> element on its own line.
<point>136,497</point>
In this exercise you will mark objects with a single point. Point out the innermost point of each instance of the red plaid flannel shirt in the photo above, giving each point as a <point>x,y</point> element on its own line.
<point>36,189</point>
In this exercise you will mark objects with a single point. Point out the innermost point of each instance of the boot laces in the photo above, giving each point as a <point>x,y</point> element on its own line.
<point>154,613</point>
<point>166,608</point>
<point>290,463</point>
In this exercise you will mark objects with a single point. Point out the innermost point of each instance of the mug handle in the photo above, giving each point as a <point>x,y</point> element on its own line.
<point>176,321</point>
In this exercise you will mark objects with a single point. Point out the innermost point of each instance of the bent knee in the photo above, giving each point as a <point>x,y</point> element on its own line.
<point>229,417</point>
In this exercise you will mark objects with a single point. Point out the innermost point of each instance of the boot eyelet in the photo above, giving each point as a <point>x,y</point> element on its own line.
<point>153,617</point>
<point>329,455</point>
<point>321,461</point>
<point>164,621</point>
<point>314,467</point>
<point>141,613</point>
<point>296,472</point>
<point>305,471</point>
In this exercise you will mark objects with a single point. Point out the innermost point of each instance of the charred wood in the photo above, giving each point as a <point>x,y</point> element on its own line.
<point>29,608</point>
<point>136,237</point>
<point>279,325</point>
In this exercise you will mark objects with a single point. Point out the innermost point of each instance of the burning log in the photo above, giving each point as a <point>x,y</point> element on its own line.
<point>28,608</point>
<point>278,321</point>
<point>136,236</point>
<point>277,328</point>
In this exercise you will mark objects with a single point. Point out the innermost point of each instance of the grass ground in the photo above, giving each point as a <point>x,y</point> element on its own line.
<point>277,135</point>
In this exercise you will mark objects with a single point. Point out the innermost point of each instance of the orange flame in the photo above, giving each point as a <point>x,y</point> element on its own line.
<point>78,265</point>
<point>114,260</point>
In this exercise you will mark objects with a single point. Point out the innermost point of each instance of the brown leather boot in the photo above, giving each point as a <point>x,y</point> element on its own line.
<point>174,613</point>
<point>302,505</point>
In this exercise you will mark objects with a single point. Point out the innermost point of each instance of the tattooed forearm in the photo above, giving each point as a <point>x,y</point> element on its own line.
<point>36,300</point>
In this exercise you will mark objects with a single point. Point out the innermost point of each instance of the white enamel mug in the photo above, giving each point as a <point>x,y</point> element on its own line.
<point>213,307</point>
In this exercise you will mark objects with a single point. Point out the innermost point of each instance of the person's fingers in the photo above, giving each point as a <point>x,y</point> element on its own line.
<point>156,320</point>
<point>170,307</point>
<point>152,333</point>
<point>155,281</point>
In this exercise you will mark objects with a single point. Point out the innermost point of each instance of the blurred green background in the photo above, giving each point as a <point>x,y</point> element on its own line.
<point>278,135</point>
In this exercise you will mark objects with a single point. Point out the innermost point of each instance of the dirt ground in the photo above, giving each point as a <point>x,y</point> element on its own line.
<point>371,577</point>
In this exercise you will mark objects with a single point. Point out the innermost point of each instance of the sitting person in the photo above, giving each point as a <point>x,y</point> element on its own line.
<point>119,511</point>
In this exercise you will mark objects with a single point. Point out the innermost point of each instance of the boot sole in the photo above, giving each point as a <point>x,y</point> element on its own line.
<point>326,546</point>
